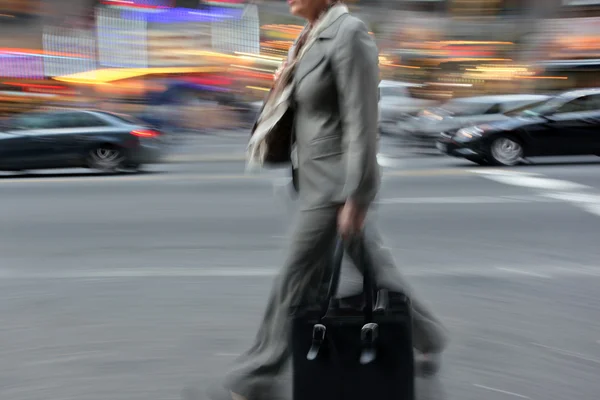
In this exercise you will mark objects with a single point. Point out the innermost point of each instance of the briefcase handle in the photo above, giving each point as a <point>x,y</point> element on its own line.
<point>368,277</point>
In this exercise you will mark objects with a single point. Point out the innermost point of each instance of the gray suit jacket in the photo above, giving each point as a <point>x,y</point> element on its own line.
<point>336,96</point>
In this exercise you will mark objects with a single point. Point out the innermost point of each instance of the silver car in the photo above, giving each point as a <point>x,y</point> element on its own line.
<point>396,104</point>
<point>462,112</point>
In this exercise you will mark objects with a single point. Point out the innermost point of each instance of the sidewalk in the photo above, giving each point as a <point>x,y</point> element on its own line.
<point>217,146</point>
<point>190,158</point>
<point>198,158</point>
<point>230,146</point>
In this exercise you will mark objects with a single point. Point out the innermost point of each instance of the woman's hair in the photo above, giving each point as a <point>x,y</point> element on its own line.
<point>331,4</point>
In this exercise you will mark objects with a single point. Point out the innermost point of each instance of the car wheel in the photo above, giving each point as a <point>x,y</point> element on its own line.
<point>506,150</point>
<point>106,158</point>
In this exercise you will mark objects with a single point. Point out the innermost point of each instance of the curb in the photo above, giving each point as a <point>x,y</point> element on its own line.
<point>238,157</point>
<point>191,158</point>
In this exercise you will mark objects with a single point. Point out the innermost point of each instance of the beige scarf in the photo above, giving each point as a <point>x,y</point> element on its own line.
<point>280,97</point>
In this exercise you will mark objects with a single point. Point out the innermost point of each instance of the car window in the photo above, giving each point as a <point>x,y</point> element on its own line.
<point>594,102</point>
<point>128,119</point>
<point>514,105</point>
<point>462,108</point>
<point>523,107</point>
<point>494,109</point>
<point>78,120</point>
<point>30,121</point>
<point>547,107</point>
<point>587,103</point>
<point>580,104</point>
<point>563,104</point>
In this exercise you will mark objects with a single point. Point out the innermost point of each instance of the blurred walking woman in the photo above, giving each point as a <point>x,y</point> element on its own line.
<point>332,79</point>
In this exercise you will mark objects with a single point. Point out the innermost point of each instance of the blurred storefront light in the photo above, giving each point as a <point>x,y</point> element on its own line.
<point>281,32</point>
<point>60,39</point>
<point>21,66</point>
<point>144,4</point>
<point>225,3</point>
<point>106,76</point>
<point>276,39</point>
<point>240,34</point>
<point>260,57</point>
<point>181,15</point>
<point>581,2</point>
<point>34,64</point>
<point>139,38</point>
<point>259,88</point>
<point>121,42</point>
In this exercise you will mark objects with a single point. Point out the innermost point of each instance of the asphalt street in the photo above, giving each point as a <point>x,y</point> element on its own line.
<point>135,287</point>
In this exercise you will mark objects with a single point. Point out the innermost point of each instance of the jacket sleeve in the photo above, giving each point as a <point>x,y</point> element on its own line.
<point>355,65</point>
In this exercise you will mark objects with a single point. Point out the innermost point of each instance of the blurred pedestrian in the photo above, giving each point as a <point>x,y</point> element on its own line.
<point>333,71</point>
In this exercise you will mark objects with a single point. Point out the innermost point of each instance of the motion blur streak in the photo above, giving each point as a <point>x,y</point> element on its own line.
<point>136,255</point>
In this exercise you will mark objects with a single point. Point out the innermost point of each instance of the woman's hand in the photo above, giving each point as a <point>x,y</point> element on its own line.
<point>277,73</point>
<point>351,219</point>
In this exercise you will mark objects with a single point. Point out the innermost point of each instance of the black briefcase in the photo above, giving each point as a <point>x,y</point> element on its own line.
<point>348,350</point>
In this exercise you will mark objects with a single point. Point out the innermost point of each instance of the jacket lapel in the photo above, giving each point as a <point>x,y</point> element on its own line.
<point>327,29</point>
<point>309,62</point>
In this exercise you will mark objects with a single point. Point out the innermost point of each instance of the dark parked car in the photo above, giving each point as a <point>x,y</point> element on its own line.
<point>77,138</point>
<point>568,124</point>
<point>423,131</point>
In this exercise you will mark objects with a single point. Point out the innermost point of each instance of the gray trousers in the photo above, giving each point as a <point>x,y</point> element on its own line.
<point>306,266</point>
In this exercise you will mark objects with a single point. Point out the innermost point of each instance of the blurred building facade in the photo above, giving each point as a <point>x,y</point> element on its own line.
<point>490,45</point>
<point>478,8</point>
<point>454,47</point>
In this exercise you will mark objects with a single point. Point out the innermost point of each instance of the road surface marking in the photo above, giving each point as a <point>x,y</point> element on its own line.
<point>197,158</point>
<point>382,159</point>
<point>492,272</point>
<point>239,148</point>
<point>467,200</point>
<point>528,179</point>
<point>502,172</point>
<point>491,389</point>
<point>227,354</point>
<point>524,272</point>
<point>566,191</point>
<point>429,172</point>
<point>587,202</point>
<point>164,176</point>
<point>567,353</point>
<point>389,162</point>
<point>592,209</point>
<point>143,178</point>
<point>574,197</point>
<point>534,182</point>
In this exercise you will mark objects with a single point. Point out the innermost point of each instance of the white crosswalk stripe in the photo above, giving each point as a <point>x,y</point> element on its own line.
<point>535,182</point>
<point>579,195</point>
